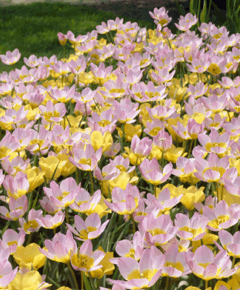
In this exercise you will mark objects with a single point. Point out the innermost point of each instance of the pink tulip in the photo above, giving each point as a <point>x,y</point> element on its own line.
<point>86,160</point>
<point>11,57</point>
<point>206,266</point>
<point>192,229</point>
<point>230,243</point>
<point>152,172</point>
<point>91,228</point>
<point>6,273</point>
<point>16,186</point>
<point>17,208</point>
<point>163,202</point>
<point>53,113</point>
<point>134,249</point>
<point>32,61</point>
<point>11,239</point>
<point>33,224</point>
<point>124,201</point>
<point>161,16</point>
<point>85,259</point>
<point>64,194</point>
<point>185,23</point>
<point>62,38</point>
<point>222,216</point>
<point>60,248</point>
<point>143,274</point>
<point>175,264</point>
<point>157,230</point>
<point>52,222</point>
<point>84,202</point>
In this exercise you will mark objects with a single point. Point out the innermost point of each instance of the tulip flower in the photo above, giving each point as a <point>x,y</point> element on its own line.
<point>222,216</point>
<point>152,173</point>
<point>143,274</point>
<point>17,208</point>
<point>10,57</point>
<point>191,229</point>
<point>91,228</point>
<point>12,239</point>
<point>134,249</point>
<point>52,222</point>
<point>124,201</point>
<point>85,259</point>
<point>64,194</point>
<point>33,223</point>
<point>60,248</point>
<point>86,160</point>
<point>29,257</point>
<point>231,243</point>
<point>6,273</point>
<point>175,264</point>
<point>29,280</point>
<point>157,230</point>
<point>206,266</point>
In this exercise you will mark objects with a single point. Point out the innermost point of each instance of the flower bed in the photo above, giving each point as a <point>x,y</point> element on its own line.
<point>120,163</point>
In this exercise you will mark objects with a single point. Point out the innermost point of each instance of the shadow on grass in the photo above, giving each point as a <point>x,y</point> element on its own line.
<point>33,28</point>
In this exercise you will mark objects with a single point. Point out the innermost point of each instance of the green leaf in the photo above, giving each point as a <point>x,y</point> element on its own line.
<point>86,283</point>
<point>192,7</point>
<point>180,8</point>
<point>203,15</point>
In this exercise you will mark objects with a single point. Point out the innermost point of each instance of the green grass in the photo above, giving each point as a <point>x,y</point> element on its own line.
<point>33,28</point>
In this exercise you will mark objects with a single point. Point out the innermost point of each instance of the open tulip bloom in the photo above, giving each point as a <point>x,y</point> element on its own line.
<point>143,274</point>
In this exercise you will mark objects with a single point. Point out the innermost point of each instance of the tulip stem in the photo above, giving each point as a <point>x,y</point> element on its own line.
<point>134,226</point>
<point>190,149</point>
<point>67,217</point>
<point>82,287</point>
<point>29,238</point>
<point>90,172</point>
<point>73,275</point>
<point>167,283</point>
<point>206,284</point>
<point>233,262</point>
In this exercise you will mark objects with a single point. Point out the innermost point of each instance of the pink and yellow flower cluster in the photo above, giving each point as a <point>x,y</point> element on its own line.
<point>122,160</point>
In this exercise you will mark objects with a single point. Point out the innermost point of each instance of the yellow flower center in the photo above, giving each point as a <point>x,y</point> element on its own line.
<point>155,131</point>
<point>121,167</point>
<point>147,274</point>
<point>116,91</point>
<point>12,243</point>
<point>216,222</point>
<point>214,69</point>
<point>104,123</point>
<point>194,232</point>
<point>85,161</point>
<point>48,115</point>
<point>156,231</point>
<point>208,146</point>
<point>82,261</point>
<point>31,224</point>
<point>64,194</point>
<point>130,254</point>
<point>84,233</point>
<point>163,21</point>
<point>176,265</point>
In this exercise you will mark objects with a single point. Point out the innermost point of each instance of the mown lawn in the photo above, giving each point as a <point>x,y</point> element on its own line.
<point>33,28</point>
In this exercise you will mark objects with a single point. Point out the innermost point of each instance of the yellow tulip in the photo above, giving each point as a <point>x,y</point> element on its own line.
<point>28,281</point>
<point>29,257</point>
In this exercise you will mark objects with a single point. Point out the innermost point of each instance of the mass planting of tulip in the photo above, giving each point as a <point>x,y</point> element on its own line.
<point>120,165</point>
